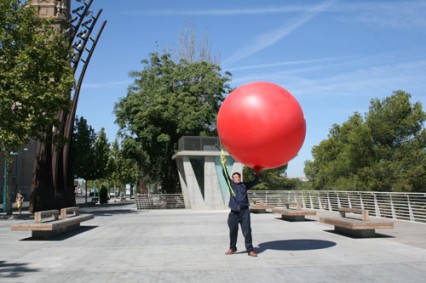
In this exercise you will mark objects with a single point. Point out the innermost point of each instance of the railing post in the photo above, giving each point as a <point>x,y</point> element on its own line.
<point>376,206</point>
<point>319,200</point>
<point>349,199</point>
<point>310,200</point>
<point>303,198</point>
<point>392,207</point>
<point>361,201</point>
<point>329,202</point>
<point>410,211</point>
<point>338,200</point>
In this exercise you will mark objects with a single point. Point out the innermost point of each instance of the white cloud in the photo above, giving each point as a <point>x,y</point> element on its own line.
<point>399,15</point>
<point>107,84</point>
<point>220,12</point>
<point>287,63</point>
<point>269,38</point>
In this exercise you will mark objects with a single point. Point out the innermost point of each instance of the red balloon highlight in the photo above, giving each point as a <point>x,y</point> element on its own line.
<point>261,125</point>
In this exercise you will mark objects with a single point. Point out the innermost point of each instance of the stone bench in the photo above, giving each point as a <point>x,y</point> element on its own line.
<point>359,225</point>
<point>292,211</point>
<point>40,216</point>
<point>257,205</point>
<point>47,224</point>
<point>260,208</point>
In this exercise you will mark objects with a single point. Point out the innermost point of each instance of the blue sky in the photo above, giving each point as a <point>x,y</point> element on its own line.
<point>333,56</point>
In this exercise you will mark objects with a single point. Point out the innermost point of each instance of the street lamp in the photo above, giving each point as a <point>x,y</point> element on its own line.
<point>5,188</point>
<point>25,149</point>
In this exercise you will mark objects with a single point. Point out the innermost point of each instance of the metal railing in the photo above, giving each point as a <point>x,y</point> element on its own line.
<point>400,206</point>
<point>199,143</point>
<point>159,201</point>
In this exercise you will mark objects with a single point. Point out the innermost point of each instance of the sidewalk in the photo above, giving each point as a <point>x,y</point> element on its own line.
<point>122,244</point>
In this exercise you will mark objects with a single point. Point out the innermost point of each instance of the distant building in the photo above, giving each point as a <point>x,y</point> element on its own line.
<point>21,171</point>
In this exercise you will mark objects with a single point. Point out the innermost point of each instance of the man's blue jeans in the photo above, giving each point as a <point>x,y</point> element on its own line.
<point>241,217</point>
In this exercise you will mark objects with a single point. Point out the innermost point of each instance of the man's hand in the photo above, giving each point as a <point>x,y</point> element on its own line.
<point>223,157</point>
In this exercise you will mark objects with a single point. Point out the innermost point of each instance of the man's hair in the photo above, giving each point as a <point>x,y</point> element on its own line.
<point>236,173</point>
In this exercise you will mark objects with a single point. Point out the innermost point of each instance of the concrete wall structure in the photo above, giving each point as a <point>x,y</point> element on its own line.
<point>202,182</point>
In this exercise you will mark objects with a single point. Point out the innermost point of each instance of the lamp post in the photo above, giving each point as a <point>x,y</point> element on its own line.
<point>25,149</point>
<point>5,187</point>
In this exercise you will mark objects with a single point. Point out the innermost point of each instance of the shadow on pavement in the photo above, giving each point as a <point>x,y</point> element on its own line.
<point>377,235</point>
<point>14,270</point>
<point>64,236</point>
<point>294,245</point>
<point>110,212</point>
<point>306,220</point>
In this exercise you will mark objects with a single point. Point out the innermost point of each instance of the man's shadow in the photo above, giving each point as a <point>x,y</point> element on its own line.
<point>294,245</point>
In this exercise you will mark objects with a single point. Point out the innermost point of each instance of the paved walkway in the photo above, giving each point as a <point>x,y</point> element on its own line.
<point>122,244</point>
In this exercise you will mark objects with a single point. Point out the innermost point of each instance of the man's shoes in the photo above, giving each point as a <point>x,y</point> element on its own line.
<point>252,253</point>
<point>230,252</point>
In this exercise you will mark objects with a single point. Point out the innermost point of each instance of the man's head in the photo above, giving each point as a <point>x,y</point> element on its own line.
<point>236,177</point>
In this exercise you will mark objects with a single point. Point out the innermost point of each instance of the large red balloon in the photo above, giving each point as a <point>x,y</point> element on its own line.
<point>261,125</point>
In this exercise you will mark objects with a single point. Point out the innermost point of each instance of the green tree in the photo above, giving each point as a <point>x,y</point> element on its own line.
<point>169,100</point>
<point>83,159</point>
<point>124,168</point>
<point>399,138</point>
<point>103,195</point>
<point>102,153</point>
<point>384,151</point>
<point>84,138</point>
<point>35,76</point>
<point>272,179</point>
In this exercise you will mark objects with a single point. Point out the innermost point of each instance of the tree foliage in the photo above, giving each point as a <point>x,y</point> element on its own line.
<point>123,164</point>
<point>192,50</point>
<point>91,152</point>
<point>169,100</point>
<point>35,78</point>
<point>384,151</point>
<point>83,158</point>
<point>272,179</point>
<point>102,153</point>
<point>35,75</point>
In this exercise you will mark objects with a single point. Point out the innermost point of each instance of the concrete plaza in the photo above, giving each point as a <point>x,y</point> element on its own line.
<point>122,244</point>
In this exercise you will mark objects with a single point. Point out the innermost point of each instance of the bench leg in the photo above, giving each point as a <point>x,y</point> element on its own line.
<point>293,217</point>
<point>366,233</point>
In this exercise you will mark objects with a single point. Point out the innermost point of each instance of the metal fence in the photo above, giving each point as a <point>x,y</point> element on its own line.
<point>401,206</point>
<point>159,201</point>
<point>199,143</point>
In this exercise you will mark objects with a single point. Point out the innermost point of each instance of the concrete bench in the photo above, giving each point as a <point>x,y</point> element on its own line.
<point>47,224</point>
<point>292,211</point>
<point>359,225</point>
<point>40,216</point>
<point>260,208</point>
<point>69,211</point>
<point>257,205</point>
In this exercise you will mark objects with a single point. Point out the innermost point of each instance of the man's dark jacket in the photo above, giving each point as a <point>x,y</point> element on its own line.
<point>240,201</point>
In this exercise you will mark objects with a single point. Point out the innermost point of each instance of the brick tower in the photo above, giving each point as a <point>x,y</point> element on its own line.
<point>57,9</point>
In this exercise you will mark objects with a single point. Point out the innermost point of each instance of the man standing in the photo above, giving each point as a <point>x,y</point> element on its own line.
<point>240,212</point>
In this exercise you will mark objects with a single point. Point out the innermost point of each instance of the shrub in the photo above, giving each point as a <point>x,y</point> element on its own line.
<point>103,195</point>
